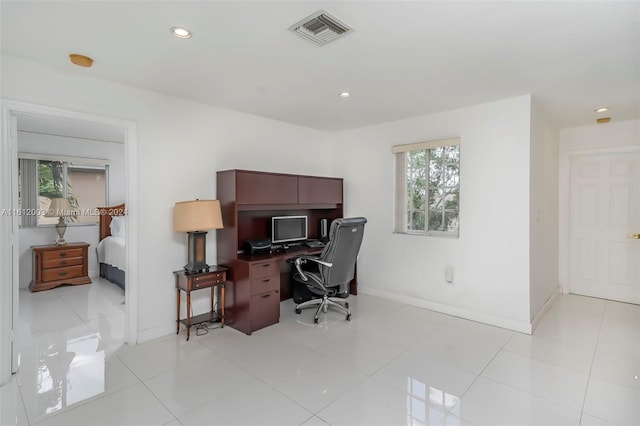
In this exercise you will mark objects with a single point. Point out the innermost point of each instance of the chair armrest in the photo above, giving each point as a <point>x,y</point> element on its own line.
<point>303,259</point>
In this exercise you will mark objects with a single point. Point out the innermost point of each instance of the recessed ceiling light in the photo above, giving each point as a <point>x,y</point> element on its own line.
<point>602,110</point>
<point>345,94</point>
<point>180,32</point>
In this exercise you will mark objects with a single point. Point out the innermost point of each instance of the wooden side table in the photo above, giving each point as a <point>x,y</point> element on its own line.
<point>215,279</point>
<point>56,265</point>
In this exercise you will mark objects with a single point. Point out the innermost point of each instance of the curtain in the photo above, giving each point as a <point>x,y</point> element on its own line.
<point>29,192</point>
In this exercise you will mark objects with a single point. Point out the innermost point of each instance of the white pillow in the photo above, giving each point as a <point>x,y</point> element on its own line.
<point>117,226</point>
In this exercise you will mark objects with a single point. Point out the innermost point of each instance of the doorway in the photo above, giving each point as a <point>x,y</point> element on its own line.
<point>9,253</point>
<point>604,216</point>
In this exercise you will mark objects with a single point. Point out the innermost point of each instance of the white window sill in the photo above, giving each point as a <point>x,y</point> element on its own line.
<point>430,234</point>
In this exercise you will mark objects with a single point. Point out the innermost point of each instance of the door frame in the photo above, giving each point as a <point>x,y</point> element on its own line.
<point>9,285</point>
<point>564,205</point>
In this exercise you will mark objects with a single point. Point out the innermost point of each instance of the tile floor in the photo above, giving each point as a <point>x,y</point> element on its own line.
<point>393,364</point>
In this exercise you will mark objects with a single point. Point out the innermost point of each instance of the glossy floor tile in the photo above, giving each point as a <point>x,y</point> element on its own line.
<point>374,403</point>
<point>539,378</point>
<point>267,407</point>
<point>613,403</point>
<point>492,403</point>
<point>392,364</point>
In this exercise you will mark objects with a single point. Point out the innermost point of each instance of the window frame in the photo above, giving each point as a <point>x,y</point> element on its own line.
<point>401,201</point>
<point>80,163</point>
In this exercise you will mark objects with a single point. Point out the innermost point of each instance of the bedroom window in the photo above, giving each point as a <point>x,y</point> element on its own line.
<point>41,178</point>
<point>427,196</point>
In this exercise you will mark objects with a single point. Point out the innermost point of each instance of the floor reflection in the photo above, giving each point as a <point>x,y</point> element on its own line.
<point>68,373</point>
<point>426,404</point>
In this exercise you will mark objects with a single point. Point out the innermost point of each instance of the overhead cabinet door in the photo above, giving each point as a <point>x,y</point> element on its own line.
<point>315,190</point>
<point>265,188</point>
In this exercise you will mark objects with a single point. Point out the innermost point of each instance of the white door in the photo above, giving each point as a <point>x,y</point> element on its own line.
<point>604,215</point>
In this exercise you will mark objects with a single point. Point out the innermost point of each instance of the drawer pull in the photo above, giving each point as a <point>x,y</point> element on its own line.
<point>265,265</point>
<point>64,262</point>
<point>266,295</point>
<point>63,254</point>
<point>63,273</point>
<point>267,280</point>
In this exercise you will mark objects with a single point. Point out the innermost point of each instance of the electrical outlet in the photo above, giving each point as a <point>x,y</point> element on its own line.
<point>448,274</point>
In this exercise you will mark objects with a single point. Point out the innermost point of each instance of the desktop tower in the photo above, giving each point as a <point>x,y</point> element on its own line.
<point>324,231</point>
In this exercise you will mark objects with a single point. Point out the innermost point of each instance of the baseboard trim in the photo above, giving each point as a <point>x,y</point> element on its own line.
<point>521,327</point>
<point>545,308</point>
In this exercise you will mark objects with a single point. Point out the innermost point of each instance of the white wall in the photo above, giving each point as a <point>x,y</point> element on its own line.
<point>181,145</point>
<point>491,257</point>
<point>543,211</point>
<point>56,145</point>
<point>586,139</point>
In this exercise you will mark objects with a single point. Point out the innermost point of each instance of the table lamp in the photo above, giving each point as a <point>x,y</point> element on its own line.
<point>60,208</point>
<point>193,217</point>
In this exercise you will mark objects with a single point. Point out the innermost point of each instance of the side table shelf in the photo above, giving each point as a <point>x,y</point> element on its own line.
<point>216,280</point>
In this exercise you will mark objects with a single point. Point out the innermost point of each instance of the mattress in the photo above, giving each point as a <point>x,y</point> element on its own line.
<point>111,251</point>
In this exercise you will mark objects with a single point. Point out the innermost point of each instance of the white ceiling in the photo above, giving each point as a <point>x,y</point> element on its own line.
<point>404,59</point>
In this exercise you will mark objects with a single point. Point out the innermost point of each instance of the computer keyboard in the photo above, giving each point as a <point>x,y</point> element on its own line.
<point>314,244</point>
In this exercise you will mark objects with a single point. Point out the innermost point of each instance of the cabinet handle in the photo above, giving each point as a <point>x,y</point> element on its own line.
<point>266,265</point>
<point>267,280</point>
<point>63,254</point>
<point>266,295</point>
<point>62,274</point>
<point>64,262</point>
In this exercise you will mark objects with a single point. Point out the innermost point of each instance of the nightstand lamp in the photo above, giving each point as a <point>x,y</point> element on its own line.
<point>60,208</point>
<point>194,217</point>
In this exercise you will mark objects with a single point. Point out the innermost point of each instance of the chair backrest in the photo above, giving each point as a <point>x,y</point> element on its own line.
<point>345,238</point>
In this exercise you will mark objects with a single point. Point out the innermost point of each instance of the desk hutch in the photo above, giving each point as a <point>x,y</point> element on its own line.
<point>249,199</point>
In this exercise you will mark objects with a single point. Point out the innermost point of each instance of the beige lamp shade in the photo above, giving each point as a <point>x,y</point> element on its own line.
<point>197,215</point>
<point>59,207</point>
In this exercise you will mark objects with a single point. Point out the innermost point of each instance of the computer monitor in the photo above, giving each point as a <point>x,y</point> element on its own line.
<point>288,229</point>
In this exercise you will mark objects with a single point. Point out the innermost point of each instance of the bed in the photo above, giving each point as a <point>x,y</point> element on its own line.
<point>111,244</point>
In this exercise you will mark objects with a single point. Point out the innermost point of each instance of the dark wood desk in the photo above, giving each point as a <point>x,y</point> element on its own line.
<point>281,257</point>
<point>260,283</point>
<point>249,200</point>
<point>216,278</point>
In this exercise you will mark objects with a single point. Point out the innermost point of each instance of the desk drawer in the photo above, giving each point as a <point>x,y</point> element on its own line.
<point>62,254</point>
<point>59,263</point>
<point>263,269</point>
<point>57,274</point>
<point>265,284</point>
<point>265,309</point>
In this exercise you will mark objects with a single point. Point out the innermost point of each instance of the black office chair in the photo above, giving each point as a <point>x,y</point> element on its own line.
<point>328,275</point>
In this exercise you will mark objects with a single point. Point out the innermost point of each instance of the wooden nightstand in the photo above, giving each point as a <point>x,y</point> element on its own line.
<point>56,265</point>
<point>216,278</point>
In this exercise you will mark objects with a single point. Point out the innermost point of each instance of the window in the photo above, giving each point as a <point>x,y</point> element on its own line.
<point>42,178</point>
<point>428,188</point>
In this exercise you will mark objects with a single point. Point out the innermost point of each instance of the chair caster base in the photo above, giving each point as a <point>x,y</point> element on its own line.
<point>315,320</point>
<point>348,317</point>
<point>298,311</point>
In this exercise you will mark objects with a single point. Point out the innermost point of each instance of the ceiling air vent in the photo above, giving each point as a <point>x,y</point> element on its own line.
<point>320,28</point>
